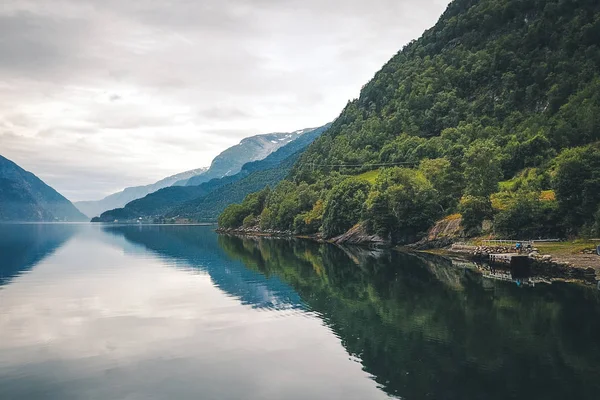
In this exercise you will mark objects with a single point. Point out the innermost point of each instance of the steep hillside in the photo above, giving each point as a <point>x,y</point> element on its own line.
<point>492,113</point>
<point>253,175</point>
<point>207,208</point>
<point>24,197</point>
<point>253,148</point>
<point>116,200</point>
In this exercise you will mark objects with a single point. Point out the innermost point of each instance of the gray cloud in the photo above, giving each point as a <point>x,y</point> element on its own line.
<point>96,95</point>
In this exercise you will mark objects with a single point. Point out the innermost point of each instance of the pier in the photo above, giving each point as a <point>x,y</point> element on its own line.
<point>507,258</point>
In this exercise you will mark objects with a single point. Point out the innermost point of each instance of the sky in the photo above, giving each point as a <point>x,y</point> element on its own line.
<point>99,95</point>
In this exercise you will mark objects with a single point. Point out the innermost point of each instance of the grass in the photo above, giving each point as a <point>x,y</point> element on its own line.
<point>565,248</point>
<point>507,186</point>
<point>369,176</point>
<point>552,248</point>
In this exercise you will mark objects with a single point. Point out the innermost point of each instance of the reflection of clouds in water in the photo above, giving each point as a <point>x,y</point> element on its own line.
<point>102,321</point>
<point>198,249</point>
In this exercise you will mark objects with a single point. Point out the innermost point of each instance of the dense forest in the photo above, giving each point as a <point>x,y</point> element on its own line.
<point>492,116</point>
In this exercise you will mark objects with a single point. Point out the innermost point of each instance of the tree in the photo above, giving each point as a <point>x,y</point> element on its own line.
<point>577,185</point>
<point>527,216</point>
<point>402,205</point>
<point>344,205</point>
<point>482,169</point>
<point>447,180</point>
<point>474,210</point>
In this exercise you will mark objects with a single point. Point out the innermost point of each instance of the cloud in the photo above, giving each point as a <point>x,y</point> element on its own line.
<point>145,89</point>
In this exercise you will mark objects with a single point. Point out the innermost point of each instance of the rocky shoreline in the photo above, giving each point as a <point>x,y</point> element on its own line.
<point>357,236</point>
<point>542,264</point>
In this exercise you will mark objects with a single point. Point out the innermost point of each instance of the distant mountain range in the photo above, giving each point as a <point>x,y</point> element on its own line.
<point>254,176</point>
<point>26,198</point>
<point>204,202</point>
<point>252,148</point>
<point>227,163</point>
<point>116,200</point>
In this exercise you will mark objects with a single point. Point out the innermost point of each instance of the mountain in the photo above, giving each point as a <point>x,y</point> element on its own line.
<point>491,115</point>
<point>252,176</point>
<point>116,200</point>
<point>208,207</point>
<point>253,148</point>
<point>24,197</point>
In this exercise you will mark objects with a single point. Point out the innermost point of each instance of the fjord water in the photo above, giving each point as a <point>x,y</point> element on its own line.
<point>157,312</point>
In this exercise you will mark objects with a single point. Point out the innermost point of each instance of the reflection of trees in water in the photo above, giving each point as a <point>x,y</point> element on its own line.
<point>426,330</point>
<point>22,246</point>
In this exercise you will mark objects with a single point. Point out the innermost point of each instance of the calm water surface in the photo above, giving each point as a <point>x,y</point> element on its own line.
<point>167,312</point>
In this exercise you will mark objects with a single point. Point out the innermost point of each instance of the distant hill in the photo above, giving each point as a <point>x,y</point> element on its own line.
<point>116,200</point>
<point>207,208</point>
<point>253,148</point>
<point>253,177</point>
<point>165,201</point>
<point>24,197</point>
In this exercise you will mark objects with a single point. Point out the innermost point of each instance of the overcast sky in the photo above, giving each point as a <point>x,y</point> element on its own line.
<point>97,95</point>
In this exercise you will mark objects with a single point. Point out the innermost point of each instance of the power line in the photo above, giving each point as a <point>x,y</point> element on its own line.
<point>313,165</point>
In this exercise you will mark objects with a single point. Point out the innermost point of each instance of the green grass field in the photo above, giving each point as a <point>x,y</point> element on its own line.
<point>566,248</point>
<point>369,176</point>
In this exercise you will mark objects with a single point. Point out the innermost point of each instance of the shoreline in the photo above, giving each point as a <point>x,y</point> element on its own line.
<point>543,264</point>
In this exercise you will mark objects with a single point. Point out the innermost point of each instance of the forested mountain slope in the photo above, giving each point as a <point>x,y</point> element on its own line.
<point>252,148</point>
<point>493,113</point>
<point>184,201</point>
<point>96,207</point>
<point>25,198</point>
<point>207,208</point>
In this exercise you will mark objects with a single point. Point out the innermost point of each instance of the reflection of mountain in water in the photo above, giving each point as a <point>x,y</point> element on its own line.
<point>197,247</point>
<point>426,330</point>
<point>22,246</point>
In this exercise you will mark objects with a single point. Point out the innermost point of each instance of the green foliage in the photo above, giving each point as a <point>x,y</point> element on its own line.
<point>310,221</point>
<point>491,94</point>
<point>474,211</point>
<point>482,169</point>
<point>527,217</point>
<point>595,231</point>
<point>344,205</point>
<point>448,181</point>
<point>237,215</point>
<point>233,216</point>
<point>249,220</point>
<point>577,184</point>
<point>369,176</point>
<point>402,205</point>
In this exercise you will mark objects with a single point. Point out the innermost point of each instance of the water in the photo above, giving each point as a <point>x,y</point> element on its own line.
<point>168,312</point>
